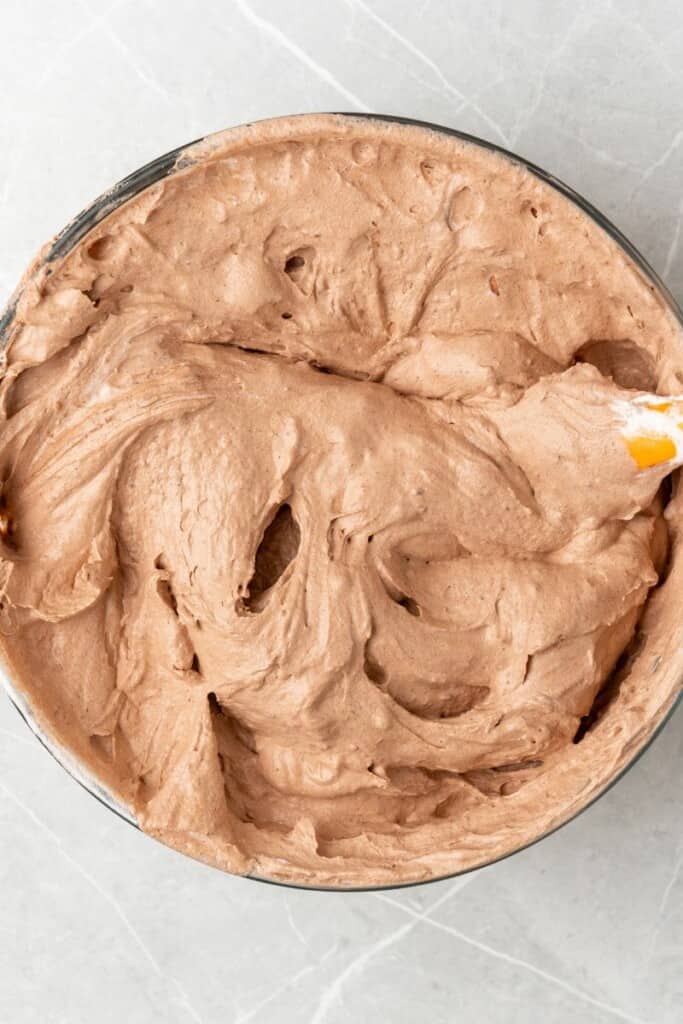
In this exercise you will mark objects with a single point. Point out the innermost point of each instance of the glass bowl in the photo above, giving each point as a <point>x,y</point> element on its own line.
<point>116,196</point>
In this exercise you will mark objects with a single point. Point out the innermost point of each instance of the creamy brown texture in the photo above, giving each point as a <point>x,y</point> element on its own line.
<point>319,538</point>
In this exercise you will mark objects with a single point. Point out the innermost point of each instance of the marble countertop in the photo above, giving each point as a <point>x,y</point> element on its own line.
<point>101,924</point>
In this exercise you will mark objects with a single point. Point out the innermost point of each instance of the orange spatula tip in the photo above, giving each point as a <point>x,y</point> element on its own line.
<point>650,451</point>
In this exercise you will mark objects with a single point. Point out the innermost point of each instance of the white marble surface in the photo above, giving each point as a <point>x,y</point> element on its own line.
<point>99,923</point>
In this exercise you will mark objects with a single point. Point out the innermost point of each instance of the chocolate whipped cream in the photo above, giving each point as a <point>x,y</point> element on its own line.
<point>320,546</point>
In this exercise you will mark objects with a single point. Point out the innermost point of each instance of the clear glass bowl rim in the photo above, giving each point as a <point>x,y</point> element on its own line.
<point>130,186</point>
